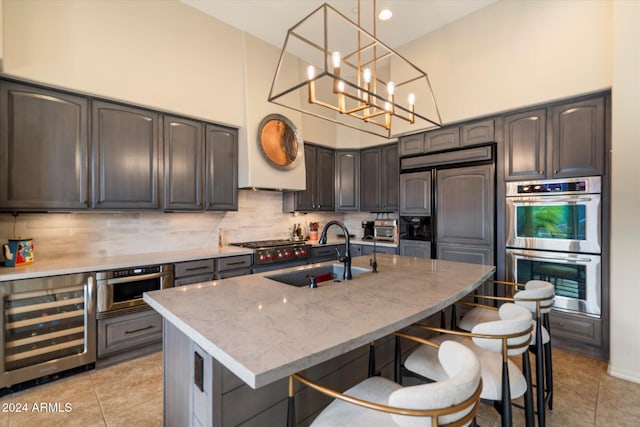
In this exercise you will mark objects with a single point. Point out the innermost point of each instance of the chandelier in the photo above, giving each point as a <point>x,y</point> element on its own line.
<point>332,68</point>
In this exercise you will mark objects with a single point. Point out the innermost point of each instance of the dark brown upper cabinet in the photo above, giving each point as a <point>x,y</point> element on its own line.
<point>578,138</point>
<point>183,164</point>
<point>561,141</point>
<point>126,144</point>
<point>221,168</point>
<point>379,178</point>
<point>44,159</point>
<point>525,144</point>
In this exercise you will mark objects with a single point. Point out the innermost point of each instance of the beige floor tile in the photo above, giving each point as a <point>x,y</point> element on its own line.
<point>147,414</point>
<point>67,402</point>
<point>618,402</point>
<point>124,386</point>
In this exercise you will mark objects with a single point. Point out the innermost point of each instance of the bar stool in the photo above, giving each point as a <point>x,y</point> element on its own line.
<point>380,402</point>
<point>537,297</point>
<point>492,342</point>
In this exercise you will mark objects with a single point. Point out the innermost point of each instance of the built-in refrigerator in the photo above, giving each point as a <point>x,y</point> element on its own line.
<point>453,192</point>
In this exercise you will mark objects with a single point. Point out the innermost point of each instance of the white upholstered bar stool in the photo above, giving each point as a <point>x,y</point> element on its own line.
<point>380,402</point>
<point>492,342</point>
<point>537,297</point>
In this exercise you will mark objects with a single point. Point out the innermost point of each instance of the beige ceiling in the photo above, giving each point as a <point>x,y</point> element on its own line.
<point>269,20</point>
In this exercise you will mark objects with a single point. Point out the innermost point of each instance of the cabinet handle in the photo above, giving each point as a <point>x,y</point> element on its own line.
<point>541,172</point>
<point>236,263</point>
<point>139,330</point>
<point>198,268</point>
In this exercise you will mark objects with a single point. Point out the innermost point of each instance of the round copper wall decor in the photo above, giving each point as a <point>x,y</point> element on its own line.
<point>280,141</point>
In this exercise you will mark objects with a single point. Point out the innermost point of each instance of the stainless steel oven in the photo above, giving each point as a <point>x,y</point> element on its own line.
<point>575,276</point>
<point>554,234</point>
<point>558,215</point>
<point>120,291</point>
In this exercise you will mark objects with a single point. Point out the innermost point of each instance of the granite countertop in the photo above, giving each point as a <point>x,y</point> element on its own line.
<point>85,264</point>
<point>263,330</point>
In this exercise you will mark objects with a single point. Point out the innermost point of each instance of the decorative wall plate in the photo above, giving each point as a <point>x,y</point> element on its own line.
<point>280,141</point>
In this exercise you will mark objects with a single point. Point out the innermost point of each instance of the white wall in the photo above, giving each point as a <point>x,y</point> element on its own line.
<point>625,210</point>
<point>161,54</point>
<point>516,53</point>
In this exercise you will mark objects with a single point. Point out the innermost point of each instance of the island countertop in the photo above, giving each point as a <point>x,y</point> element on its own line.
<point>263,330</point>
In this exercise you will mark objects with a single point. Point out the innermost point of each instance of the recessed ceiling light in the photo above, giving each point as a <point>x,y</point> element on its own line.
<point>385,14</point>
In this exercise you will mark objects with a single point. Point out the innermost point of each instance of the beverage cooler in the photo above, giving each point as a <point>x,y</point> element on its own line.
<point>48,326</point>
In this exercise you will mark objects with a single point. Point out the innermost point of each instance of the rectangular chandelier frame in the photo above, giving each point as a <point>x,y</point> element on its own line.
<point>355,80</point>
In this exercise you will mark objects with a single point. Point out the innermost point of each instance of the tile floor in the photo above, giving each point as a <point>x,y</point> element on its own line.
<point>130,394</point>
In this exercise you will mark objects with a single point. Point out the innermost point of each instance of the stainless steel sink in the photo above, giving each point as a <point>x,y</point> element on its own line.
<point>333,273</point>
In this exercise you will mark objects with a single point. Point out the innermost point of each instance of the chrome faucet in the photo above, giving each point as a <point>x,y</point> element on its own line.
<point>373,262</point>
<point>346,258</point>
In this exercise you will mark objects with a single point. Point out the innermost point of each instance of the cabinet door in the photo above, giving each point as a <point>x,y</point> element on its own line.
<point>43,149</point>
<point>525,144</point>
<point>125,157</point>
<point>182,164</point>
<point>390,178</point>
<point>465,205</point>
<point>415,193</point>
<point>578,140</point>
<point>221,168</point>
<point>411,144</point>
<point>370,166</point>
<point>305,200</point>
<point>443,139</point>
<point>325,187</point>
<point>477,133</point>
<point>347,180</point>
<point>472,254</point>
<point>415,248</point>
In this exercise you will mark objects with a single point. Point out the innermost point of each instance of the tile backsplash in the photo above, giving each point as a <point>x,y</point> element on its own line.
<point>68,235</point>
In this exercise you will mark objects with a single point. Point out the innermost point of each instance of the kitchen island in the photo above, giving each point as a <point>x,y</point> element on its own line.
<point>230,345</point>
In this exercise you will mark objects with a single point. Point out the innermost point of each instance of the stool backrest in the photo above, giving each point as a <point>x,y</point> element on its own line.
<point>515,322</point>
<point>463,369</point>
<point>536,289</point>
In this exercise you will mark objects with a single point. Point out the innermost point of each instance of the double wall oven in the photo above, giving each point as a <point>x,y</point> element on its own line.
<point>554,234</point>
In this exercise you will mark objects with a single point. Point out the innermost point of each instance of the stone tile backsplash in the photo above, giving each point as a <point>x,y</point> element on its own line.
<point>68,235</point>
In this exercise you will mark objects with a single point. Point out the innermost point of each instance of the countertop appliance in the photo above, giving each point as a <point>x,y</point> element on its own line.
<point>415,228</point>
<point>275,254</point>
<point>385,230</point>
<point>48,328</point>
<point>120,291</point>
<point>554,234</point>
<point>367,228</point>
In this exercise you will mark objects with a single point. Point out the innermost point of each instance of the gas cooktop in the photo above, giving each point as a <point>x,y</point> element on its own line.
<point>260,244</point>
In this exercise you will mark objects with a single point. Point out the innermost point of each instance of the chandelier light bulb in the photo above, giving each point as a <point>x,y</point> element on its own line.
<point>335,58</point>
<point>311,72</point>
<point>366,75</point>
<point>390,88</point>
<point>412,99</point>
<point>340,86</point>
<point>387,106</point>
